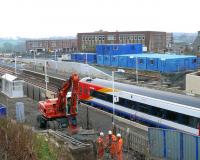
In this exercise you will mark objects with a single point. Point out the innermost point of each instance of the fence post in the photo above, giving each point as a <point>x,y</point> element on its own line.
<point>181,146</point>
<point>197,148</point>
<point>164,143</point>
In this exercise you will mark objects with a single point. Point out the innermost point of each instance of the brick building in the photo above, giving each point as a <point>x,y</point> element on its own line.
<point>154,41</point>
<point>63,46</point>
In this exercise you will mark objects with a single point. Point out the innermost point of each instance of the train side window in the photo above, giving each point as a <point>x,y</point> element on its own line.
<point>172,116</point>
<point>193,122</point>
<point>130,104</point>
<point>186,120</point>
<point>143,108</point>
<point>109,98</point>
<point>122,102</point>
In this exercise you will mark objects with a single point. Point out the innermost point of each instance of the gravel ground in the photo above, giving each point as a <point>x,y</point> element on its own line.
<point>30,108</point>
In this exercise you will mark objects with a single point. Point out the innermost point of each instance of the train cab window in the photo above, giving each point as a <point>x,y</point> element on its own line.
<point>85,91</point>
<point>80,90</point>
<point>100,95</point>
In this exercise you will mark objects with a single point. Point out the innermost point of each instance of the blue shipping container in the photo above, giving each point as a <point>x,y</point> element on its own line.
<point>73,57</point>
<point>131,62</point>
<point>152,64</point>
<point>193,63</point>
<point>198,62</point>
<point>114,61</point>
<point>83,57</point>
<point>2,110</point>
<point>118,49</point>
<point>123,61</point>
<point>100,60</point>
<point>141,63</point>
<point>106,60</point>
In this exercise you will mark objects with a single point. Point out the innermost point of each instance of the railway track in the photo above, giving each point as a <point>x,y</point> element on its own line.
<point>34,80</point>
<point>69,139</point>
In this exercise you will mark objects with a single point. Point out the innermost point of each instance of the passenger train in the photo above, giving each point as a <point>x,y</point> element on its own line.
<point>147,106</point>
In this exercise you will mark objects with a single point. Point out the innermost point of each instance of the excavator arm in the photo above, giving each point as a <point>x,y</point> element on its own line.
<point>61,102</point>
<point>53,109</point>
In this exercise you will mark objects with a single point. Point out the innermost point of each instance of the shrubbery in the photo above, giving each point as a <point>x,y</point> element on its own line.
<point>21,143</point>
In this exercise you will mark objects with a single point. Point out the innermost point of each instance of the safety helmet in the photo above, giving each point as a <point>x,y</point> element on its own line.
<point>119,135</point>
<point>101,134</point>
<point>109,132</point>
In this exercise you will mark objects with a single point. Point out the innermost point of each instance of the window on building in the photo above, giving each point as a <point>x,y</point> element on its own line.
<point>194,61</point>
<point>115,48</point>
<point>143,38</point>
<point>141,61</point>
<point>135,38</point>
<point>151,61</point>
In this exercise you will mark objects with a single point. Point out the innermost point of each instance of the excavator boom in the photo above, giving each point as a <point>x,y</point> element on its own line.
<point>54,109</point>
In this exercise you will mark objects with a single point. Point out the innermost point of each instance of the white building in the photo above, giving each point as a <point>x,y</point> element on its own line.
<point>12,86</point>
<point>193,83</point>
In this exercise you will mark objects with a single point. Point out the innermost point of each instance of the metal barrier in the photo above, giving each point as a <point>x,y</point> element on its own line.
<point>173,144</point>
<point>133,141</point>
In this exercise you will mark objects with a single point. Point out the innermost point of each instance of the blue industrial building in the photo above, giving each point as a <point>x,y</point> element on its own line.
<point>165,63</point>
<point>198,62</point>
<point>83,57</point>
<point>118,49</point>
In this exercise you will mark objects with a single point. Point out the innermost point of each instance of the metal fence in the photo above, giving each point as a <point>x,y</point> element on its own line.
<point>134,140</point>
<point>173,144</point>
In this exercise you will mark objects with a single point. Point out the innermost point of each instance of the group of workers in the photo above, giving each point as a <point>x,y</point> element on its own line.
<point>111,144</point>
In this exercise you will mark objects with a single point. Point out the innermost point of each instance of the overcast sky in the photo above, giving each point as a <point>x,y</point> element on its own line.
<point>44,18</point>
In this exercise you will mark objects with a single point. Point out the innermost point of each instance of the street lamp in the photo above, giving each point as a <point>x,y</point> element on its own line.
<point>55,55</point>
<point>115,98</point>
<point>136,66</point>
<point>46,78</point>
<point>34,60</point>
<point>34,57</point>
<point>15,64</point>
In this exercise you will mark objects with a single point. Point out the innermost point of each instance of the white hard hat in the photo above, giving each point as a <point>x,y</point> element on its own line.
<point>109,132</point>
<point>118,135</point>
<point>101,134</point>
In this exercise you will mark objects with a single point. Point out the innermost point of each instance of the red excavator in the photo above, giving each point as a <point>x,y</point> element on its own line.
<point>61,111</point>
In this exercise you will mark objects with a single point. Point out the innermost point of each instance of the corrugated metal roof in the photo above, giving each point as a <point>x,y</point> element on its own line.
<point>9,77</point>
<point>160,56</point>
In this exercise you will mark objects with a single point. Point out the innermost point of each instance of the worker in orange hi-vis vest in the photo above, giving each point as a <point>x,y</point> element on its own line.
<point>100,146</point>
<point>119,147</point>
<point>111,144</point>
